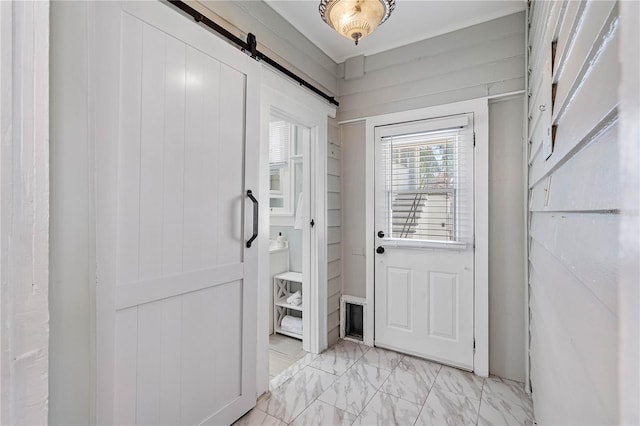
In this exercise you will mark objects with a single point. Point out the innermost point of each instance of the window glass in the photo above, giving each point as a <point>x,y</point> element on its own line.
<point>421,175</point>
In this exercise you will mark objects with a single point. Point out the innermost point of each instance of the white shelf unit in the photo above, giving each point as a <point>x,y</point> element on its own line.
<point>281,291</point>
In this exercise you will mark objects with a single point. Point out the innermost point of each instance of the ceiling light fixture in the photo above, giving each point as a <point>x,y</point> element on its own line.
<point>355,19</point>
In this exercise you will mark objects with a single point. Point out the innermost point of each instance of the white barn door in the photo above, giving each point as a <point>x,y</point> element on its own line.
<point>176,284</point>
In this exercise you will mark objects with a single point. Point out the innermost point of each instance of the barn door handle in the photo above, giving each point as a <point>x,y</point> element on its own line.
<point>255,217</point>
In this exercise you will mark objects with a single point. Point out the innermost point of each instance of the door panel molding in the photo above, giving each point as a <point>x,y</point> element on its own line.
<point>479,108</point>
<point>399,302</point>
<point>435,323</point>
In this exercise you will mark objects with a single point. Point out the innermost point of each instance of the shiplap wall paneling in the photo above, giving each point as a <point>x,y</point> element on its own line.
<point>334,233</point>
<point>574,205</point>
<point>481,60</point>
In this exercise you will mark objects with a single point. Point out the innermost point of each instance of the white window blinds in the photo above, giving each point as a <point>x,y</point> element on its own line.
<point>428,184</point>
<point>279,140</point>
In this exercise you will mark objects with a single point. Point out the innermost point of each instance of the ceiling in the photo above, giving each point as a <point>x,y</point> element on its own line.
<point>412,20</point>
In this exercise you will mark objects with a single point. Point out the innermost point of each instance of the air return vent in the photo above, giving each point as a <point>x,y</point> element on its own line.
<point>352,318</point>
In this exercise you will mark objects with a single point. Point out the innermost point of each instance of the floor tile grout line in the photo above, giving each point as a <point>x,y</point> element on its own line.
<point>296,373</point>
<point>285,382</point>
<point>323,391</point>
<point>400,397</point>
<point>424,404</point>
<point>377,389</point>
<point>314,400</point>
<point>480,404</point>
<point>349,365</point>
<point>292,365</point>
<point>365,406</point>
<point>421,408</point>
<point>317,397</point>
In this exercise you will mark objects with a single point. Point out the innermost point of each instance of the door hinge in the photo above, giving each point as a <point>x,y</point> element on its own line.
<point>474,345</point>
<point>312,223</point>
<point>474,139</point>
<point>474,241</point>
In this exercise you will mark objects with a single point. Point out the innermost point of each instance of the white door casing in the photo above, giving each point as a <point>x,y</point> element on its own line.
<point>285,97</point>
<point>424,238</point>
<point>479,108</point>
<point>273,108</point>
<point>175,153</point>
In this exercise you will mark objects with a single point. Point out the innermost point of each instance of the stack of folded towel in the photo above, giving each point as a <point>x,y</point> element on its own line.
<point>291,324</point>
<point>295,299</point>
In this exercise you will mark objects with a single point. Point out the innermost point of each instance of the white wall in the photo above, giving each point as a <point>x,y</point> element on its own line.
<point>24,212</point>
<point>629,151</point>
<point>72,299</point>
<point>438,71</point>
<point>353,212</point>
<point>575,197</point>
<point>481,60</point>
<point>294,238</point>
<point>506,239</point>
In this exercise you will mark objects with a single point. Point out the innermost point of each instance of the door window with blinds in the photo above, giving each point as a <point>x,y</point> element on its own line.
<point>425,180</point>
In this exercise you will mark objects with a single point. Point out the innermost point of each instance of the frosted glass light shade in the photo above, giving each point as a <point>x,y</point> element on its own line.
<point>355,19</point>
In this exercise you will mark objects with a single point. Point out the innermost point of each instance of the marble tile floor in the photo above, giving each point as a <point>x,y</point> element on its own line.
<point>351,384</point>
<point>283,352</point>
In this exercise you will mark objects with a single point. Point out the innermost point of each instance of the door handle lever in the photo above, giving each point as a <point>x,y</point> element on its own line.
<point>255,217</point>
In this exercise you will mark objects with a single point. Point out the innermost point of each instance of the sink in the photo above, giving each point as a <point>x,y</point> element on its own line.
<point>274,246</point>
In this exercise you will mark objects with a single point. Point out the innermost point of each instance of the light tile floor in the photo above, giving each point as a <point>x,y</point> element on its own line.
<point>283,352</point>
<point>352,384</point>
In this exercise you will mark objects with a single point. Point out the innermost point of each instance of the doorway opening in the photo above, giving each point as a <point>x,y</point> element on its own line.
<point>298,200</point>
<point>289,242</point>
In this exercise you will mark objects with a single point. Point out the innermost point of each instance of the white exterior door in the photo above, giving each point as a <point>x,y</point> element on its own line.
<point>424,288</point>
<point>175,157</point>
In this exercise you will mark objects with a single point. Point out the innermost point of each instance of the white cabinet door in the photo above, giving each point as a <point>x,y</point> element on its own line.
<point>175,156</point>
<point>424,239</point>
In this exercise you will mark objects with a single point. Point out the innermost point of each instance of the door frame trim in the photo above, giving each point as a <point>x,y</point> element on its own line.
<point>480,108</point>
<point>308,110</point>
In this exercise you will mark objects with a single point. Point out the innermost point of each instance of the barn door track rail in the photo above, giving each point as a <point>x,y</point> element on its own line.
<point>250,47</point>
